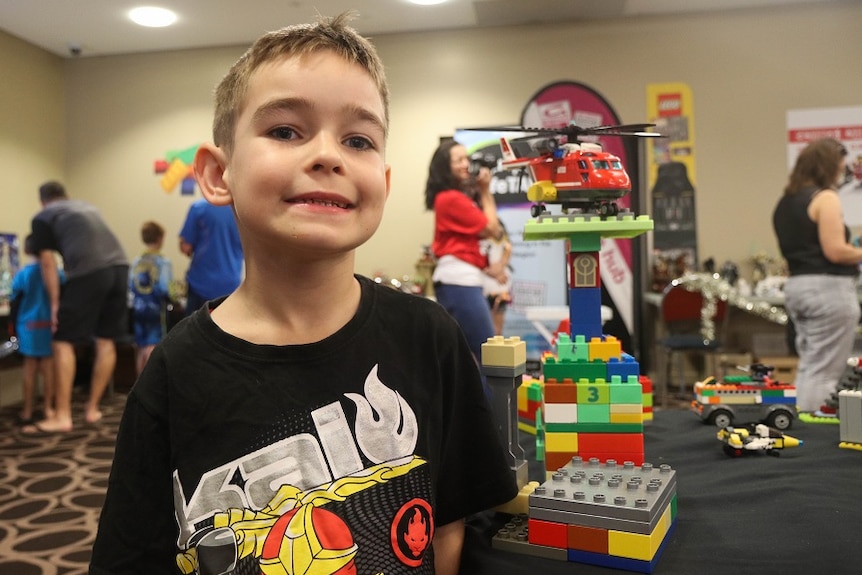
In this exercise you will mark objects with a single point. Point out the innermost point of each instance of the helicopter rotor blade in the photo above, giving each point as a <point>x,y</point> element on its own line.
<point>512,129</point>
<point>624,134</point>
<point>575,131</point>
<point>628,130</point>
<point>623,127</point>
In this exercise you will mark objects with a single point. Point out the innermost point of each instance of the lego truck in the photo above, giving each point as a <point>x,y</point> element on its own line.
<point>740,399</point>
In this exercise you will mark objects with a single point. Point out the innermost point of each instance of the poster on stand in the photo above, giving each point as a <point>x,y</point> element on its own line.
<point>843,124</point>
<point>671,180</point>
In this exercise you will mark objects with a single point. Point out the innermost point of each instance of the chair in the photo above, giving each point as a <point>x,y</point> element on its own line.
<point>681,314</point>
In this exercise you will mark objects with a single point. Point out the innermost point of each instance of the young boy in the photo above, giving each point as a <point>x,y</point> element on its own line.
<point>149,281</point>
<point>311,421</point>
<point>32,321</point>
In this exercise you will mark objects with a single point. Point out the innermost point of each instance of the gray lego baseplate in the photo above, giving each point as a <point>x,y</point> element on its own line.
<point>606,490</point>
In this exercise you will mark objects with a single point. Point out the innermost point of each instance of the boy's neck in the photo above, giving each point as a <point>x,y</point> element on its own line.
<point>292,303</point>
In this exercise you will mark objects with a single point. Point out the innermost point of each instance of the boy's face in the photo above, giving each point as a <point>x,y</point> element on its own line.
<point>307,169</point>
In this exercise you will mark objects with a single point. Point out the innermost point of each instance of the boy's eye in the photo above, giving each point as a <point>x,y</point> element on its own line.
<point>283,133</point>
<point>359,143</point>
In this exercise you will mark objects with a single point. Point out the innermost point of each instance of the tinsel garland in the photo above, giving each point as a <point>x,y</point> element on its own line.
<point>714,289</point>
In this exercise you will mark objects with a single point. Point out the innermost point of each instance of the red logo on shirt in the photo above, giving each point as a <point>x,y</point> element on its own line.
<point>412,531</point>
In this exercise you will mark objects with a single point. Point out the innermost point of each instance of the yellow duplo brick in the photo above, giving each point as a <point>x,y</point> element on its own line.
<point>501,351</point>
<point>560,441</point>
<point>627,417</point>
<point>520,505</point>
<point>637,545</point>
<point>604,350</point>
<point>523,402</point>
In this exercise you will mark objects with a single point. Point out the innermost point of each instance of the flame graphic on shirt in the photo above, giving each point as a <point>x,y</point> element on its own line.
<point>386,427</point>
<point>417,534</point>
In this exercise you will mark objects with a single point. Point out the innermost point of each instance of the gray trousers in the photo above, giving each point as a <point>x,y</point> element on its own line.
<point>825,311</point>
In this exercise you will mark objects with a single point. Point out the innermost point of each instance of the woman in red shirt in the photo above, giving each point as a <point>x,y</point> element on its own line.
<point>464,213</point>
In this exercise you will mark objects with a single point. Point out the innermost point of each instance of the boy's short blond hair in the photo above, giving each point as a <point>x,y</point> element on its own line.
<point>327,34</point>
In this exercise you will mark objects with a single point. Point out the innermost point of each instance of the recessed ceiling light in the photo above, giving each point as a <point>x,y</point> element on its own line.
<point>427,2</point>
<point>152,16</point>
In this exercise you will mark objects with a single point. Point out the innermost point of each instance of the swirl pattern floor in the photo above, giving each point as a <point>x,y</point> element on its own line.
<point>52,487</point>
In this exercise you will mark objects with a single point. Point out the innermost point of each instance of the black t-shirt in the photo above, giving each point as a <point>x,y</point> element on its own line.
<point>232,455</point>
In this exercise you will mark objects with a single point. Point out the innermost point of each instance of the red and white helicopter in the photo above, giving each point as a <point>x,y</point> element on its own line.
<point>566,170</point>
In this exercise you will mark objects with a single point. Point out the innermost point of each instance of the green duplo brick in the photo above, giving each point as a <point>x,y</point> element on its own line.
<point>626,393</point>
<point>593,393</point>
<point>574,370</point>
<point>593,413</point>
<point>608,428</point>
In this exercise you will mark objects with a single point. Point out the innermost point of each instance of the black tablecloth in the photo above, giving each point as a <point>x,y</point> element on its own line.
<point>800,513</point>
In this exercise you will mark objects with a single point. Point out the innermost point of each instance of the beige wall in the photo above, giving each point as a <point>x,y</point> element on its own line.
<point>32,129</point>
<point>746,68</point>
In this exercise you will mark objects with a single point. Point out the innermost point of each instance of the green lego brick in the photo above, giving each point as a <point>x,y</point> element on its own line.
<point>596,413</point>
<point>594,427</point>
<point>585,242</point>
<point>577,350</point>
<point>595,392</point>
<point>626,393</point>
<point>570,226</point>
<point>574,370</point>
<point>534,392</point>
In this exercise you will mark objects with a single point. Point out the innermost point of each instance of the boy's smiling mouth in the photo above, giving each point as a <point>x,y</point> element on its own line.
<point>325,200</point>
<point>327,203</point>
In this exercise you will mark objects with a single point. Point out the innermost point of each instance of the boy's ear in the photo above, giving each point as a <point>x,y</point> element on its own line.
<point>209,166</point>
<point>388,169</point>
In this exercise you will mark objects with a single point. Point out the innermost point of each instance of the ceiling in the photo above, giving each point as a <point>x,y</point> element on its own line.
<point>100,27</point>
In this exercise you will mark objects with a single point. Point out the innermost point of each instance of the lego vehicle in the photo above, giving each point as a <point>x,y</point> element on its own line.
<point>566,171</point>
<point>752,398</point>
<point>756,438</point>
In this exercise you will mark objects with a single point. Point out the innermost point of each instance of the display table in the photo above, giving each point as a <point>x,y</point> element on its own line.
<point>800,513</point>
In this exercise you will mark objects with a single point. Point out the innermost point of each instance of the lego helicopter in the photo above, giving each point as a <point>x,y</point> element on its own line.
<point>565,169</point>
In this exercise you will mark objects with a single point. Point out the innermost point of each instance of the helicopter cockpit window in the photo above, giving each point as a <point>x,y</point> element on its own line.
<point>601,165</point>
<point>617,165</point>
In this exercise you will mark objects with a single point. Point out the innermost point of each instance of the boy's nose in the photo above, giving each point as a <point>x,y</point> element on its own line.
<point>326,153</point>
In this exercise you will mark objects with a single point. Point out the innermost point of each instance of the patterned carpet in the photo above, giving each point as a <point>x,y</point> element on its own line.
<point>51,490</point>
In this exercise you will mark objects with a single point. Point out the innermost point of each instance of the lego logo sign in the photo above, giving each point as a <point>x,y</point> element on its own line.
<point>669,105</point>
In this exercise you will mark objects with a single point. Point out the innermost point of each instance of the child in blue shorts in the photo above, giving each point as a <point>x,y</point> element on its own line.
<point>149,280</point>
